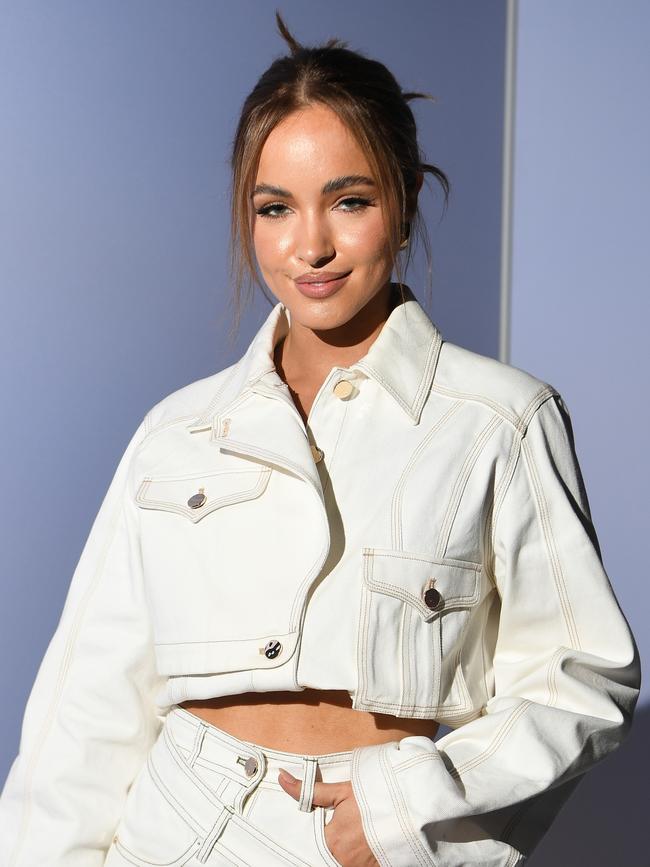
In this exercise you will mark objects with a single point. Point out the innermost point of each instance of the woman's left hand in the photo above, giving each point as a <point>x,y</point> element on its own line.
<point>344,832</point>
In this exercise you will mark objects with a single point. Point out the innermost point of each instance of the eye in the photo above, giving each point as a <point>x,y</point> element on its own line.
<point>265,211</point>
<point>360,203</point>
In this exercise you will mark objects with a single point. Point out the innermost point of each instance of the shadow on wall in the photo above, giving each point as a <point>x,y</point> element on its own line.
<point>606,820</point>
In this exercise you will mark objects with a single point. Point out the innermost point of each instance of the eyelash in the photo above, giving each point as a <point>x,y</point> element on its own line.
<point>264,211</point>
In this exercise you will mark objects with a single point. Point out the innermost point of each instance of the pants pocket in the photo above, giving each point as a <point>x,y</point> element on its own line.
<point>321,816</point>
<point>243,843</point>
<point>119,856</point>
<point>152,831</point>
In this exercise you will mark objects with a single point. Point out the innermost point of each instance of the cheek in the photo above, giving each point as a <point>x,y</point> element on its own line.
<point>270,243</point>
<point>365,239</point>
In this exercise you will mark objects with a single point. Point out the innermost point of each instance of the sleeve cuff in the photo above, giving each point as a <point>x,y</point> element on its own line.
<point>396,786</point>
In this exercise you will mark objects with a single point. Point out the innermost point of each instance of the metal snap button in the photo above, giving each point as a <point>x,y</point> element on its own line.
<point>432,598</point>
<point>272,648</point>
<point>343,388</point>
<point>317,453</point>
<point>250,765</point>
<point>197,500</point>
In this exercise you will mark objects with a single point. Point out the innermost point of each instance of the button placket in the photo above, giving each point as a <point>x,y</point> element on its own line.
<point>253,768</point>
<point>215,832</point>
<point>343,388</point>
<point>316,452</point>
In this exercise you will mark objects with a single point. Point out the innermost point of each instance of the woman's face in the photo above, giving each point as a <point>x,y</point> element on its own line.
<point>302,227</point>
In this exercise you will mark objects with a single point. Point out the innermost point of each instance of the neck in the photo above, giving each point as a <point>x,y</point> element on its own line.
<point>308,355</point>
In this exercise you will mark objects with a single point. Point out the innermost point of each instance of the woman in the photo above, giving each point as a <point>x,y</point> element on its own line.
<point>308,560</point>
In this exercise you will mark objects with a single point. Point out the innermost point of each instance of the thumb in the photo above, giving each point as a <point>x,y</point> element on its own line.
<point>325,794</point>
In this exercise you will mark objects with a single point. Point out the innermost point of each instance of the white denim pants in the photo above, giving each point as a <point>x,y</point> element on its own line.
<point>204,796</point>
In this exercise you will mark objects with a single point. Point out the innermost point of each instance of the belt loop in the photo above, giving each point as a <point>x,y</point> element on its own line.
<point>198,743</point>
<point>307,787</point>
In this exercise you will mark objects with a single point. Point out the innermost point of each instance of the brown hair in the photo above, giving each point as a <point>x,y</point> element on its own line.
<point>368,99</point>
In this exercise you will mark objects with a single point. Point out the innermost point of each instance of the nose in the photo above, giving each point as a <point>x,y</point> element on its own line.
<point>314,243</point>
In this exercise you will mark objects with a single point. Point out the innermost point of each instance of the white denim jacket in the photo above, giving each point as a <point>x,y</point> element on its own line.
<point>448,500</point>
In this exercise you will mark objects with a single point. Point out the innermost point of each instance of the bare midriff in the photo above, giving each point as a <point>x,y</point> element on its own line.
<point>310,722</point>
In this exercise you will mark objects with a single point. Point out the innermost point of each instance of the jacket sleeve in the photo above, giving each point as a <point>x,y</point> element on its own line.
<point>90,717</point>
<point>565,673</point>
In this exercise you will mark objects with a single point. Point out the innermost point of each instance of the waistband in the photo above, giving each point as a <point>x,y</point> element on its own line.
<point>185,737</point>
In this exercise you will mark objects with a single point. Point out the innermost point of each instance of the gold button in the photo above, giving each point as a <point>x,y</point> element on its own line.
<point>317,453</point>
<point>343,388</point>
<point>115,839</point>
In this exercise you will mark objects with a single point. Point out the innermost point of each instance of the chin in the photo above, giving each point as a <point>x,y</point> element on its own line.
<point>327,312</point>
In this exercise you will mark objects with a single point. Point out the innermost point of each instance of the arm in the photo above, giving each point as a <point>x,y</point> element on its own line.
<point>566,677</point>
<point>89,720</point>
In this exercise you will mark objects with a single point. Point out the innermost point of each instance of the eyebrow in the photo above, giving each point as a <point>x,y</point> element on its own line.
<point>331,186</point>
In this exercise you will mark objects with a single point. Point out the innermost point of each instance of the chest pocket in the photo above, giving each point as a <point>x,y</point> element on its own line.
<point>414,615</point>
<point>203,547</point>
<point>195,496</point>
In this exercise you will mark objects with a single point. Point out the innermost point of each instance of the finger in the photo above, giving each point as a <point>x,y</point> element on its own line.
<point>290,784</point>
<point>325,794</point>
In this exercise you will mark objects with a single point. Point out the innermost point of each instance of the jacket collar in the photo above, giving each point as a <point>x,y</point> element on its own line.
<point>243,420</point>
<point>402,359</point>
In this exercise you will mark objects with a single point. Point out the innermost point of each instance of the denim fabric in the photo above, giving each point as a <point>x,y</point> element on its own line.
<point>196,801</point>
<point>424,542</point>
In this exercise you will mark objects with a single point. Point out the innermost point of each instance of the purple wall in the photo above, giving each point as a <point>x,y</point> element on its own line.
<point>580,307</point>
<point>115,123</point>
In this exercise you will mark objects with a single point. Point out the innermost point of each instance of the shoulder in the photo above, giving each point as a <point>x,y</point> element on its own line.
<point>187,402</point>
<point>509,391</point>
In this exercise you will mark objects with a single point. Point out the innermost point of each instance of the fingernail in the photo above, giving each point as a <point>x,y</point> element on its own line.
<point>289,777</point>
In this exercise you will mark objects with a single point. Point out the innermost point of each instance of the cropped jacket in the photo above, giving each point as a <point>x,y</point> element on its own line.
<point>446,484</point>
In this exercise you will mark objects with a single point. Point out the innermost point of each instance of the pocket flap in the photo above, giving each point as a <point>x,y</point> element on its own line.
<point>195,496</point>
<point>220,657</point>
<point>408,575</point>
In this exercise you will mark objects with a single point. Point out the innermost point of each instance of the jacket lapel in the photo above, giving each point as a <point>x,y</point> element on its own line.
<point>263,424</point>
<point>253,415</point>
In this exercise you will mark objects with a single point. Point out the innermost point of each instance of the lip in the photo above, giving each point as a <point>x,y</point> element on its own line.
<point>321,277</point>
<point>317,287</point>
